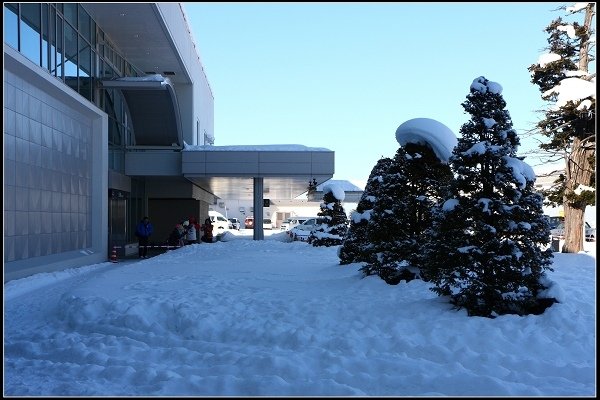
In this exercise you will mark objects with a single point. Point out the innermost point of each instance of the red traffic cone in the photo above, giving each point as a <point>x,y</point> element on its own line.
<point>113,257</point>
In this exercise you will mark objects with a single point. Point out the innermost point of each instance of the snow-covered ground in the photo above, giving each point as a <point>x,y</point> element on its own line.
<point>273,318</point>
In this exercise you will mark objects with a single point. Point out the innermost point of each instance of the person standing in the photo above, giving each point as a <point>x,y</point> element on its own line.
<point>186,228</point>
<point>207,228</point>
<point>194,220</point>
<point>191,232</point>
<point>176,237</point>
<point>143,231</point>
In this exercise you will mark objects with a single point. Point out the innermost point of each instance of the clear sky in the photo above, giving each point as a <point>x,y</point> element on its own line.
<point>345,75</point>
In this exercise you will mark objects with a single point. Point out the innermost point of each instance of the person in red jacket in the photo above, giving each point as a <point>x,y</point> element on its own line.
<point>207,228</point>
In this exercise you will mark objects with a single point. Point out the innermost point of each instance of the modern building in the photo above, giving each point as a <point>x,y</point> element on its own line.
<point>108,117</point>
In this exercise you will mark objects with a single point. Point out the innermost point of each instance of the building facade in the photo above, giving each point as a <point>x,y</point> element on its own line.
<point>100,102</point>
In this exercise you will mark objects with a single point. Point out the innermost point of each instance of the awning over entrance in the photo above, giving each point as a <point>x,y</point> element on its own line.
<point>254,173</point>
<point>153,108</point>
<point>229,171</point>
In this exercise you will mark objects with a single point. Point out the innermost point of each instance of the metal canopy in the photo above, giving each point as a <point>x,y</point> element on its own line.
<point>154,111</point>
<point>229,172</point>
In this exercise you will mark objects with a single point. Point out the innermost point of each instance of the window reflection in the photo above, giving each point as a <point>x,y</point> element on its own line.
<point>45,46</point>
<point>84,24</point>
<point>11,21</point>
<point>30,31</point>
<point>60,63</point>
<point>70,56</point>
<point>70,13</point>
<point>85,67</point>
<point>52,41</point>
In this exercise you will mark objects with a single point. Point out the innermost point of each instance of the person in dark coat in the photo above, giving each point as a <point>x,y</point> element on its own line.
<point>207,228</point>
<point>143,231</point>
<point>176,237</point>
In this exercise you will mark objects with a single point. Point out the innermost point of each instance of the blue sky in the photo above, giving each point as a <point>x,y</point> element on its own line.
<point>345,75</point>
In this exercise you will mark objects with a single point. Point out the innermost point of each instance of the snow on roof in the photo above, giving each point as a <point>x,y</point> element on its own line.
<point>428,131</point>
<point>346,186</point>
<point>264,147</point>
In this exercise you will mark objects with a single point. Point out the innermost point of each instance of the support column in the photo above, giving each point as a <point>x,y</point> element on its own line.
<point>259,233</point>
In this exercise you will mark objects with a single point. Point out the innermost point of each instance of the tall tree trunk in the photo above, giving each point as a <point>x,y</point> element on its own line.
<point>574,220</point>
<point>578,171</point>
<point>578,168</point>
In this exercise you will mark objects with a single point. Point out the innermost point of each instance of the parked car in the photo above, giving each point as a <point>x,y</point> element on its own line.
<point>554,221</point>
<point>235,223</point>
<point>292,222</point>
<point>219,222</point>
<point>302,231</point>
<point>249,222</point>
<point>559,232</point>
<point>267,224</point>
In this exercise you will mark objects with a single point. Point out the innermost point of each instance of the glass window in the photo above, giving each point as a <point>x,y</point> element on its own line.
<point>84,24</point>
<point>59,49</point>
<point>45,45</point>
<point>100,42</point>
<point>107,72</point>
<point>71,56</point>
<point>94,78</point>
<point>93,32</point>
<point>85,67</point>
<point>52,41</point>
<point>114,130</point>
<point>30,31</point>
<point>11,25</point>
<point>70,13</point>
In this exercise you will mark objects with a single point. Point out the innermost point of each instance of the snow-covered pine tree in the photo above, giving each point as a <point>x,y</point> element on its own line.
<point>333,221</point>
<point>356,244</point>
<point>563,77</point>
<point>485,245</point>
<point>402,212</point>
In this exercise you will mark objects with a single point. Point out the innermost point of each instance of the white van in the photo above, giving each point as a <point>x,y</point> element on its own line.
<point>219,222</point>
<point>293,222</point>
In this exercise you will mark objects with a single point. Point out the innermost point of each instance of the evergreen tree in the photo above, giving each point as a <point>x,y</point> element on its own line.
<point>332,217</point>
<point>402,212</point>
<point>570,122</point>
<point>484,248</point>
<point>356,244</point>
